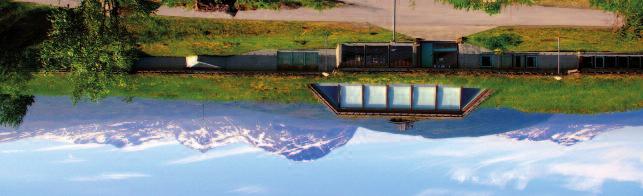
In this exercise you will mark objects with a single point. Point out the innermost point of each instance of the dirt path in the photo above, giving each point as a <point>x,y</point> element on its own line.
<point>423,18</point>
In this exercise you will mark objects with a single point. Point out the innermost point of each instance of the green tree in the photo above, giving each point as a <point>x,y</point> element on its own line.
<point>490,7</point>
<point>629,11</point>
<point>15,71</point>
<point>93,45</point>
<point>500,43</point>
<point>13,109</point>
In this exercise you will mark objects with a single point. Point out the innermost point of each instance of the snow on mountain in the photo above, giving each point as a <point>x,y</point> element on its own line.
<point>295,143</point>
<point>570,129</point>
<point>567,135</point>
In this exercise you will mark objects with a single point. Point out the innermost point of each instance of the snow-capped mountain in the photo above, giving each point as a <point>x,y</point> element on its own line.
<point>295,143</point>
<point>295,131</point>
<point>122,125</point>
<point>566,137</point>
<point>568,130</point>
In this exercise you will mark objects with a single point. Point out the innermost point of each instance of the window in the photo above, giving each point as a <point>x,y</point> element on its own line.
<point>610,62</point>
<point>518,61</point>
<point>622,62</point>
<point>485,61</point>
<point>635,62</point>
<point>600,62</point>
<point>531,62</point>
<point>587,62</point>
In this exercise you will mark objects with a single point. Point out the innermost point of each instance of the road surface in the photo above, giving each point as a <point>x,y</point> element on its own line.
<point>418,18</point>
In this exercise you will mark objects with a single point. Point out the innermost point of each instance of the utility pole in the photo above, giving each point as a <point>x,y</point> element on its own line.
<point>394,19</point>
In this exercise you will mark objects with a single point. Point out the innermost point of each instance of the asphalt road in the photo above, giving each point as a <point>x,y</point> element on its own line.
<point>419,18</point>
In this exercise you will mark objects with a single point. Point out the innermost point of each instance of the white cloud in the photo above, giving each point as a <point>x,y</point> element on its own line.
<point>11,151</point>
<point>590,176</point>
<point>253,189</point>
<point>108,177</point>
<point>71,159</point>
<point>214,155</point>
<point>367,136</point>
<point>614,156</point>
<point>70,147</point>
<point>439,192</point>
<point>149,145</point>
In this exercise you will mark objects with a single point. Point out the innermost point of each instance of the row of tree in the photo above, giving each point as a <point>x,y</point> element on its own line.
<point>92,44</point>
<point>630,12</point>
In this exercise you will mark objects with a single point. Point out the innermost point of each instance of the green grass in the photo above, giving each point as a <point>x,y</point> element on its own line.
<point>573,94</point>
<point>564,3</point>
<point>175,36</point>
<point>265,4</point>
<point>277,4</point>
<point>572,39</point>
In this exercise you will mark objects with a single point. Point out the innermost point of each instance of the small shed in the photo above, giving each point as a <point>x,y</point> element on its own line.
<point>393,56</point>
<point>376,55</point>
<point>438,54</point>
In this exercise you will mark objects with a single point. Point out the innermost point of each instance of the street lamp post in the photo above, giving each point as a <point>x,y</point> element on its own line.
<point>558,55</point>
<point>394,19</point>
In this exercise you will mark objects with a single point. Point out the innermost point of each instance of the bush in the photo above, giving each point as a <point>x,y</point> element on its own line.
<point>175,3</point>
<point>500,42</point>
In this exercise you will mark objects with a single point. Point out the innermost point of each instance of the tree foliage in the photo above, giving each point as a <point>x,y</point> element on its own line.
<point>232,6</point>
<point>15,71</point>
<point>500,42</point>
<point>13,109</point>
<point>490,7</point>
<point>91,43</point>
<point>630,11</point>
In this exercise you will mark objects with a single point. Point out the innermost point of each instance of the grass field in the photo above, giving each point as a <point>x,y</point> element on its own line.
<point>564,3</point>
<point>175,36</point>
<point>572,39</point>
<point>574,94</point>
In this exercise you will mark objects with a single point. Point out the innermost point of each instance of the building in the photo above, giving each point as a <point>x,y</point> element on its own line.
<point>420,55</point>
<point>452,56</point>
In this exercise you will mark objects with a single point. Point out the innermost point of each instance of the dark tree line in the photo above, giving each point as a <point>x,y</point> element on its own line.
<point>13,109</point>
<point>92,43</point>
<point>629,11</point>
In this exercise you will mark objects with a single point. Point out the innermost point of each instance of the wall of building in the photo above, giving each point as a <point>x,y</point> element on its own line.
<point>328,60</point>
<point>253,61</point>
<point>545,60</point>
<point>160,63</point>
<point>549,60</point>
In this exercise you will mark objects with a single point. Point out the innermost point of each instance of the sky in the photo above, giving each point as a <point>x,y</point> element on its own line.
<point>372,163</point>
<point>605,157</point>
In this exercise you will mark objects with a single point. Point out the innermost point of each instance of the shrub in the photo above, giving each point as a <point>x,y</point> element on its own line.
<point>500,42</point>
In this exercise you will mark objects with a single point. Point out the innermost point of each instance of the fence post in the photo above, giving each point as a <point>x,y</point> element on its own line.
<point>388,56</point>
<point>364,57</point>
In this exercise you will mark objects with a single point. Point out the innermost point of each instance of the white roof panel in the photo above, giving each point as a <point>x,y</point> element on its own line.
<point>424,97</point>
<point>449,98</point>
<point>350,96</point>
<point>399,97</point>
<point>375,97</point>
